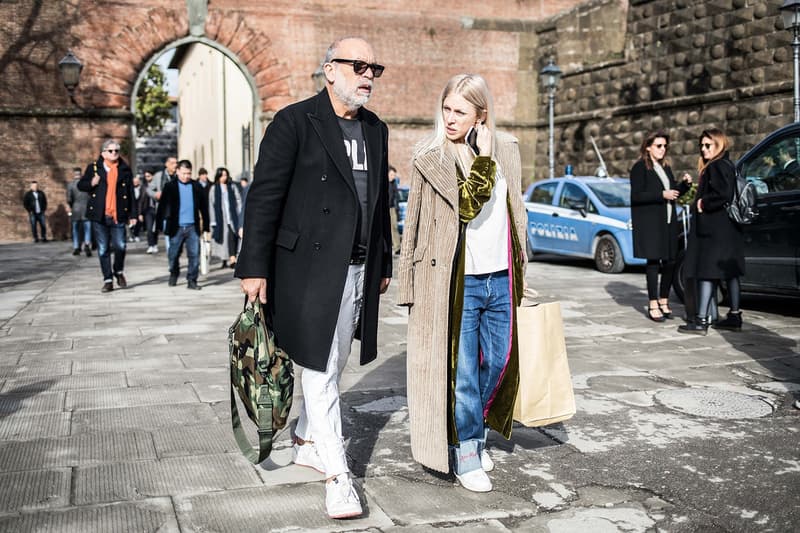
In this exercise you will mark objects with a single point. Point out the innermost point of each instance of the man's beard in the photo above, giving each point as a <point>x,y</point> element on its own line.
<point>349,98</point>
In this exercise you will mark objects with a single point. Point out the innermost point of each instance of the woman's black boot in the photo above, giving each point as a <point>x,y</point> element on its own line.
<point>732,322</point>
<point>699,326</point>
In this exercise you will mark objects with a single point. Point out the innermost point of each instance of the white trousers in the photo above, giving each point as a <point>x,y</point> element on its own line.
<point>320,418</point>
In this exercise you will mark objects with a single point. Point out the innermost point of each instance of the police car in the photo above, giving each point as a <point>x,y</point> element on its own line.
<point>582,216</point>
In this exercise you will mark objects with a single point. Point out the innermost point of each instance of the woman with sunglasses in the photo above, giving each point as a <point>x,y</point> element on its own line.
<point>716,247</point>
<point>655,220</point>
<point>461,274</point>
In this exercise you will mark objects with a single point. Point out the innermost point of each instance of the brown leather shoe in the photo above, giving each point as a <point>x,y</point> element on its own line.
<point>107,287</point>
<point>121,281</point>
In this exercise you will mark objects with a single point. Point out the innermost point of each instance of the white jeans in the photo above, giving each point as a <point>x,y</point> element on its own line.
<point>320,418</point>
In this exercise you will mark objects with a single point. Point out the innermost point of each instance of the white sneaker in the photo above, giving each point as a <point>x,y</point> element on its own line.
<point>486,462</point>
<point>149,250</point>
<point>475,480</point>
<point>341,499</point>
<point>307,455</point>
<point>155,249</point>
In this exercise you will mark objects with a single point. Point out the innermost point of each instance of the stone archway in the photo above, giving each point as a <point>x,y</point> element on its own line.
<point>136,47</point>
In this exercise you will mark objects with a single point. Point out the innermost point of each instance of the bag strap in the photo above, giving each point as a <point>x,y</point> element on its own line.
<point>265,432</point>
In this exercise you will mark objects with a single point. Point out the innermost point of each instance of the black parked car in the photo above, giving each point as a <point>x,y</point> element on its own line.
<point>772,241</point>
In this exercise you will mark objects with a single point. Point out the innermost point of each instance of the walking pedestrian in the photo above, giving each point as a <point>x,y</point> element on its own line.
<point>715,250</point>
<point>317,247</point>
<point>141,199</point>
<point>35,203</point>
<point>109,182</point>
<point>655,220</point>
<point>461,273</point>
<point>149,214</point>
<point>394,201</point>
<point>81,226</point>
<point>224,206</point>
<point>161,178</point>
<point>183,212</point>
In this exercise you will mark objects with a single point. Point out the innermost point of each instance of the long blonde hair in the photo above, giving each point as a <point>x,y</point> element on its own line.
<point>720,141</point>
<point>474,89</point>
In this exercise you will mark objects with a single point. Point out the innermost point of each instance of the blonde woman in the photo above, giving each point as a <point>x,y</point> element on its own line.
<point>461,275</point>
<point>716,246</point>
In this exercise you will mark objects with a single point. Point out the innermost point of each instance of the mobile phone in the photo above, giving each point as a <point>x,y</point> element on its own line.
<point>472,139</point>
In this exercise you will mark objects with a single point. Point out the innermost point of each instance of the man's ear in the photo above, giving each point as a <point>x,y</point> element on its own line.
<point>327,68</point>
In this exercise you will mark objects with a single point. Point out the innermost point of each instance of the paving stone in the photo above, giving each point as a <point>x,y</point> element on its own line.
<point>31,398</point>
<point>194,440</point>
<point>75,450</point>
<point>171,476</point>
<point>482,525</point>
<point>122,365</point>
<point>144,418</point>
<point>37,489</point>
<point>48,368</point>
<point>420,503</point>
<point>154,515</point>
<point>178,376</point>
<point>24,426</point>
<point>290,507</point>
<point>64,383</point>
<point>38,346</point>
<point>130,397</point>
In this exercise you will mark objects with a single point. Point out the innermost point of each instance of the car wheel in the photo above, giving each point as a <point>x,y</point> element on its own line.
<point>608,255</point>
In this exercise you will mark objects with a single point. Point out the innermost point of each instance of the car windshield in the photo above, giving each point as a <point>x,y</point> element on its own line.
<point>613,193</point>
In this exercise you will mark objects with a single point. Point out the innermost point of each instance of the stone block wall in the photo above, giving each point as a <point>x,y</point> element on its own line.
<point>683,66</point>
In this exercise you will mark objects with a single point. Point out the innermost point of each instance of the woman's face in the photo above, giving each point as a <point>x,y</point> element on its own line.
<point>708,148</point>
<point>459,116</point>
<point>657,149</point>
<point>223,177</point>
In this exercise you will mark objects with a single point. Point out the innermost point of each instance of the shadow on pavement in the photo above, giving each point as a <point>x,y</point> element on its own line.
<point>12,401</point>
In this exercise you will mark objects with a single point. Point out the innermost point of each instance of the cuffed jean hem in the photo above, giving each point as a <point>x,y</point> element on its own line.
<point>466,457</point>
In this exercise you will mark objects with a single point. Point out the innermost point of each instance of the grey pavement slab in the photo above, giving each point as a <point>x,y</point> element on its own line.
<point>155,514</point>
<point>115,416</point>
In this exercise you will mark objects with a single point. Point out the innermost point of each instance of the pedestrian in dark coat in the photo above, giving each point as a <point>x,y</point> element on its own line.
<point>109,182</point>
<point>655,220</point>
<point>35,203</point>
<point>317,247</point>
<point>716,245</point>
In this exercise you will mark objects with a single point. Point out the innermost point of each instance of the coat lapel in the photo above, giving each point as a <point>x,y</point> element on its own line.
<point>323,120</point>
<point>372,137</point>
<point>440,171</point>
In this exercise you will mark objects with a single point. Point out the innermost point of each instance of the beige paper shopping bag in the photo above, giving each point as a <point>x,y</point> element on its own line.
<point>545,385</point>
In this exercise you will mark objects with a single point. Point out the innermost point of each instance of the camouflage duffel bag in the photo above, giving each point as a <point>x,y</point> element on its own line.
<point>263,376</point>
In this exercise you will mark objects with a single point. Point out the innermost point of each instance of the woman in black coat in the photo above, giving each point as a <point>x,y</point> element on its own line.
<point>716,246</point>
<point>655,220</point>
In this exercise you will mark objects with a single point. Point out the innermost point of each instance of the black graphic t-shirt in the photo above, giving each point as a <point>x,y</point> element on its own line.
<point>357,154</point>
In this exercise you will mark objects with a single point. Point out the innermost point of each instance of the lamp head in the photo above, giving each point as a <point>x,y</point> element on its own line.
<point>551,74</point>
<point>790,11</point>
<point>70,68</point>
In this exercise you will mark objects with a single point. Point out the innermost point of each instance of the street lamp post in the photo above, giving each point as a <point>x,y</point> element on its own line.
<point>550,76</point>
<point>791,20</point>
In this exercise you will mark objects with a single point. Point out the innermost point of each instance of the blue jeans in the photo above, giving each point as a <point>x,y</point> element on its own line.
<point>37,218</point>
<point>188,236</point>
<point>77,225</point>
<point>483,350</point>
<point>110,236</point>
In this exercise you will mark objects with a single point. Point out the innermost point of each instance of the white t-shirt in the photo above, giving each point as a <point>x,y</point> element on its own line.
<point>487,234</point>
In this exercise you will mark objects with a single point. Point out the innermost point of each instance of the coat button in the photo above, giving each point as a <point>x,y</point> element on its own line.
<point>324,177</point>
<point>124,197</point>
<point>433,262</point>
<point>317,246</point>
<point>326,210</point>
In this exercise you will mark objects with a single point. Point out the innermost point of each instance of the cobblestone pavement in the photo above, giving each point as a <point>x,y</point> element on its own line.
<point>115,416</point>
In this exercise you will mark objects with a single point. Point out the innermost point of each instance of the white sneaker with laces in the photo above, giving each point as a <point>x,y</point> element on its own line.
<point>306,455</point>
<point>341,499</point>
<point>486,462</point>
<point>475,480</point>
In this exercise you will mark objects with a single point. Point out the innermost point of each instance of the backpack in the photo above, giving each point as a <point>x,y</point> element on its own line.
<point>742,207</point>
<point>263,376</point>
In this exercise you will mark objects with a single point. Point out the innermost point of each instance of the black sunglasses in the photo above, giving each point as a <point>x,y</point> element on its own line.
<point>112,151</point>
<point>360,67</point>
